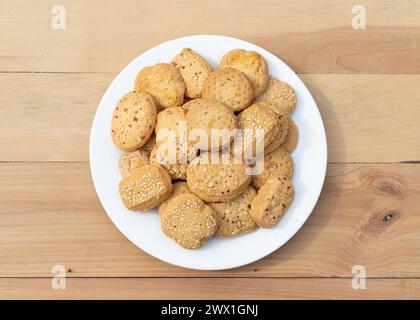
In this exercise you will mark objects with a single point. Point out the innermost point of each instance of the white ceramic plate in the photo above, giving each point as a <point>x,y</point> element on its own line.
<point>143,229</point>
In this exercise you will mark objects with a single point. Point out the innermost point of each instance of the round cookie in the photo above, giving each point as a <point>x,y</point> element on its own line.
<point>258,116</point>
<point>272,201</point>
<point>133,120</point>
<point>176,170</point>
<point>145,187</point>
<point>194,70</point>
<point>164,82</point>
<point>229,86</point>
<point>277,163</point>
<point>132,160</point>
<point>188,221</point>
<point>292,137</point>
<point>206,115</point>
<point>180,187</point>
<point>281,135</point>
<point>215,177</point>
<point>252,64</point>
<point>234,216</point>
<point>280,95</point>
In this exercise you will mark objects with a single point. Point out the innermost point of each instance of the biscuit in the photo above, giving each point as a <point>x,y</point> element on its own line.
<point>234,216</point>
<point>292,137</point>
<point>258,117</point>
<point>164,82</point>
<point>176,170</point>
<point>148,146</point>
<point>132,160</point>
<point>280,95</point>
<point>252,64</point>
<point>272,201</point>
<point>206,115</point>
<point>188,221</point>
<point>180,187</point>
<point>133,120</point>
<point>229,86</point>
<point>281,135</point>
<point>145,187</point>
<point>215,177</point>
<point>277,163</point>
<point>194,70</point>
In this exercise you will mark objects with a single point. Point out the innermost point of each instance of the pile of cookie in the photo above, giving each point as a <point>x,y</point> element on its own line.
<point>199,199</point>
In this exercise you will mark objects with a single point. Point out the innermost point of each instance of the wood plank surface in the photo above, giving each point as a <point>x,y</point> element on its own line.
<point>311,36</point>
<point>195,289</point>
<point>50,216</point>
<point>47,117</point>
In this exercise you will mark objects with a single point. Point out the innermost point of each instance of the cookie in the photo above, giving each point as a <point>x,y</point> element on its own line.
<point>280,95</point>
<point>133,120</point>
<point>194,70</point>
<point>258,117</point>
<point>292,137</point>
<point>164,82</point>
<point>175,169</point>
<point>215,177</point>
<point>145,187</point>
<point>229,86</point>
<point>132,160</point>
<point>252,64</point>
<point>277,163</point>
<point>272,201</point>
<point>205,116</point>
<point>188,221</point>
<point>148,146</point>
<point>281,135</point>
<point>180,187</point>
<point>234,216</point>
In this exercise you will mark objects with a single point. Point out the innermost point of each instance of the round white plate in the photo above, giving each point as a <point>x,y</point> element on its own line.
<point>143,229</point>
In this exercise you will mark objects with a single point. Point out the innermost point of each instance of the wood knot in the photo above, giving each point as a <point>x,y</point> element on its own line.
<point>388,186</point>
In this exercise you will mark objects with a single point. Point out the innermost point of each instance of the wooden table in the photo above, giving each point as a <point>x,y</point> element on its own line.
<point>367,86</point>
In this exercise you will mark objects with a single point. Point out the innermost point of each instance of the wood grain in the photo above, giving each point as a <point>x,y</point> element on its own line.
<point>51,216</point>
<point>311,36</point>
<point>195,289</point>
<point>47,117</point>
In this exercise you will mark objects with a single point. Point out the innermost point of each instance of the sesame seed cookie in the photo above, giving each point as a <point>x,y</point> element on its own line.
<point>133,120</point>
<point>272,201</point>
<point>258,116</point>
<point>281,135</point>
<point>207,115</point>
<point>215,177</point>
<point>164,82</point>
<point>277,163</point>
<point>194,70</point>
<point>176,170</point>
<point>292,137</point>
<point>280,95</point>
<point>132,160</point>
<point>180,187</point>
<point>229,86</point>
<point>252,64</point>
<point>188,221</point>
<point>145,187</point>
<point>234,216</point>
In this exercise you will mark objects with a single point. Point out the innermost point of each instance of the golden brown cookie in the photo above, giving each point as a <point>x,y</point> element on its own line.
<point>194,70</point>
<point>281,135</point>
<point>148,146</point>
<point>215,177</point>
<point>280,95</point>
<point>272,201</point>
<point>176,170</point>
<point>133,120</point>
<point>229,86</point>
<point>188,221</point>
<point>292,137</point>
<point>206,115</point>
<point>164,82</point>
<point>180,187</point>
<point>145,187</point>
<point>132,160</point>
<point>252,64</point>
<point>277,163</point>
<point>234,216</point>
